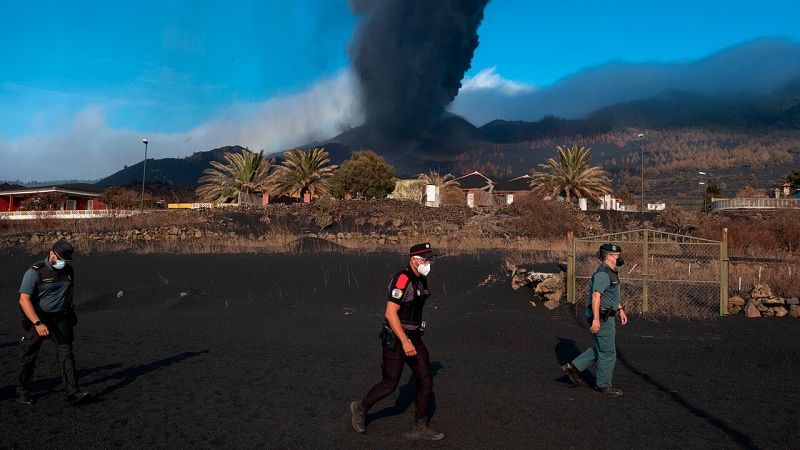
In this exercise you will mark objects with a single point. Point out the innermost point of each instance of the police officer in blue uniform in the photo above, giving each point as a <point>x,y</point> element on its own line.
<point>604,306</point>
<point>402,344</point>
<point>45,298</point>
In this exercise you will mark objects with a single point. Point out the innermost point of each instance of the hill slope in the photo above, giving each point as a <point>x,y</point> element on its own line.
<point>170,171</point>
<point>754,135</point>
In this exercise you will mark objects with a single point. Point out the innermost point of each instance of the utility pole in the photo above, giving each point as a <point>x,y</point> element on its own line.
<point>144,172</point>
<point>640,138</point>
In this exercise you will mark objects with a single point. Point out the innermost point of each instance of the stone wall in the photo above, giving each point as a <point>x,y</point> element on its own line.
<point>176,233</point>
<point>167,233</point>
<point>761,302</point>
<point>547,287</point>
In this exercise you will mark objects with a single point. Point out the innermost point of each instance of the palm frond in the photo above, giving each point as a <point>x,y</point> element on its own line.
<point>240,173</point>
<point>445,182</point>
<point>571,176</point>
<point>303,171</point>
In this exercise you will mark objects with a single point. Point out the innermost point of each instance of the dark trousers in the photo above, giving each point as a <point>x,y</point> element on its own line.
<point>61,334</point>
<point>392,370</point>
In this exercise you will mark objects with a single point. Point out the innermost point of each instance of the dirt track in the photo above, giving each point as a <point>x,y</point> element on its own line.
<point>266,351</point>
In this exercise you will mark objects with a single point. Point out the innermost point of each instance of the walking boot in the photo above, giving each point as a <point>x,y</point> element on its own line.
<point>424,432</point>
<point>572,372</point>
<point>78,398</point>
<point>24,398</point>
<point>359,417</point>
<point>610,391</point>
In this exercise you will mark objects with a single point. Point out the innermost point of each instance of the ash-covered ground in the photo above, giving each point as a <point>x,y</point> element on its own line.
<point>267,351</point>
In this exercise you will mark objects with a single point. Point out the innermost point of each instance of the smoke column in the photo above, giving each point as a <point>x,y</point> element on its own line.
<point>410,57</point>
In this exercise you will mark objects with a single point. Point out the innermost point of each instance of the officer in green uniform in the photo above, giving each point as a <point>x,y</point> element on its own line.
<point>604,305</point>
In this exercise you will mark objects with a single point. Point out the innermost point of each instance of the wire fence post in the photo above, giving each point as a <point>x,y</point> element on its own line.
<point>723,274</point>
<point>570,267</point>
<point>645,271</point>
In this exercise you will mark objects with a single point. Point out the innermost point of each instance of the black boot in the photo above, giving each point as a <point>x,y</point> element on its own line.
<point>572,372</point>
<point>610,391</point>
<point>24,398</point>
<point>78,398</point>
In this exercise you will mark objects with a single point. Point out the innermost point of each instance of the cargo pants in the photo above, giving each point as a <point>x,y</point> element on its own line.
<point>604,353</point>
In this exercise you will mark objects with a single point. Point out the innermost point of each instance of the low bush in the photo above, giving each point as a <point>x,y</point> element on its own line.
<point>534,217</point>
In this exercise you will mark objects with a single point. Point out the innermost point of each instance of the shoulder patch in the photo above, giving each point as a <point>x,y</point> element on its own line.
<point>397,293</point>
<point>402,281</point>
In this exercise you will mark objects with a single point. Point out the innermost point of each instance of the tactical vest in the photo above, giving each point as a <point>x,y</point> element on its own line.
<point>51,290</point>
<point>411,312</point>
<point>613,277</point>
<point>413,300</point>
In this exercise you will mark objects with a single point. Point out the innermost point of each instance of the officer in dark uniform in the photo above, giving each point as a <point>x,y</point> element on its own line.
<point>45,298</point>
<point>402,344</point>
<point>604,305</point>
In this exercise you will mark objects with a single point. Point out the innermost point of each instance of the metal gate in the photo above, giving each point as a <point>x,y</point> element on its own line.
<point>664,274</point>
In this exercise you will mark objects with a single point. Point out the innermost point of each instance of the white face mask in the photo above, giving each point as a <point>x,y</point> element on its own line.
<point>59,264</point>
<point>424,269</point>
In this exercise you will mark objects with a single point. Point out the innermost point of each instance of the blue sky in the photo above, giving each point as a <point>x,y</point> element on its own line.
<point>85,80</point>
<point>539,42</point>
<point>161,66</point>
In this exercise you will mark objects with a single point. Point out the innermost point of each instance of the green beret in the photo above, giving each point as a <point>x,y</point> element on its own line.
<point>610,248</point>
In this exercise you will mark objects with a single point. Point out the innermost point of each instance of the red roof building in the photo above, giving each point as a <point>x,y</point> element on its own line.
<point>74,197</point>
<point>483,191</point>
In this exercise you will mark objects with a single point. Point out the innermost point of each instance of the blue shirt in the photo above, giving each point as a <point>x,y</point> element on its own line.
<point>49,294</point>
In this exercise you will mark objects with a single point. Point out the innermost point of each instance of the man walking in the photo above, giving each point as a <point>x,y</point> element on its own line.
<point>604,305</point>
<point>45,298</point>
<point>402,344</point>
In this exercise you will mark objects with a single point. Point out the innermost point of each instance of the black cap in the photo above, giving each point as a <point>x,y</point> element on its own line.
<point>423,250</point>
<point>63,249</point>
<point>610,248</point>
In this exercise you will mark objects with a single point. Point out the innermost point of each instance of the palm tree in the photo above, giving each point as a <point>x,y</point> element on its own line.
<point>445,182</point>
<point>241,173</point>
<point>303,171</point>
<point>571,175</point>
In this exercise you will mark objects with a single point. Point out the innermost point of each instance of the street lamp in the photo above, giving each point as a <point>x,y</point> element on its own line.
<point>640,137</point>
<point>144,172</point>
<point>702,183</point>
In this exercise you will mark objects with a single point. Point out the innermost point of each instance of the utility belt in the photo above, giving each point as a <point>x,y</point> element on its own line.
<point>390,341</point>
<point>68,314</point>
<point>605,313</point>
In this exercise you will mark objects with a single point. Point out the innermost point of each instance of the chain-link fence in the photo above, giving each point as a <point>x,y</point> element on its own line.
<point>664,274</point>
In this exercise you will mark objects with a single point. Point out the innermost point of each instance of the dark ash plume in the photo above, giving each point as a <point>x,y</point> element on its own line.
<point>410,56</point>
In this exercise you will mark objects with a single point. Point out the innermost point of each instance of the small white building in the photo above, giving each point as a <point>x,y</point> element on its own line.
<point>432,195</point>
<point>610,203</point>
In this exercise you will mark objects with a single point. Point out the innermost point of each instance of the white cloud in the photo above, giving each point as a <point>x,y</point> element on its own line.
<point>489,80</point>
<point>89,149</point>
<point>319,112</point>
